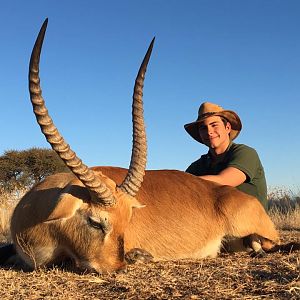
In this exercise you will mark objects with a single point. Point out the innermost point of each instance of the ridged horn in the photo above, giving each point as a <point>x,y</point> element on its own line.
<point>136,172</point>
<point>100,193</point>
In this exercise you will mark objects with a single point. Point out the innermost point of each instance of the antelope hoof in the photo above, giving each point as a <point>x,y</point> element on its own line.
<point>137,255</point>
<point>258,254</point>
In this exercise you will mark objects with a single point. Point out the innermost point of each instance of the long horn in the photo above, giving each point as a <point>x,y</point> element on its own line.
<point>136,172</point>
<point>98,190</point>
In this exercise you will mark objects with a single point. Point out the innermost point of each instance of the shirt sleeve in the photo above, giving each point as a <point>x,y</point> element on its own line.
<point>191,169</point>
<point>196,168</point>
<point>245,159</point>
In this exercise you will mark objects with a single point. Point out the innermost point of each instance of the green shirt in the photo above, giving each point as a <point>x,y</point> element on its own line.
<point>241,157</point>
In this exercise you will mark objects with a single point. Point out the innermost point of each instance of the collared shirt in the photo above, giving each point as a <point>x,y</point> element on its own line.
<point>241,157</point>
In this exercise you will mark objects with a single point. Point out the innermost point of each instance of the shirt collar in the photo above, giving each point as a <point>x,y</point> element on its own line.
<point>221,156</point>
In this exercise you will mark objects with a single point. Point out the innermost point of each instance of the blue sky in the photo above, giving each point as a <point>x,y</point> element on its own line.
<point>243,55</point>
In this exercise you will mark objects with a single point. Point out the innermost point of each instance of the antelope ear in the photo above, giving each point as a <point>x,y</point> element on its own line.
<point>66,207</point>
<point>136,204</point>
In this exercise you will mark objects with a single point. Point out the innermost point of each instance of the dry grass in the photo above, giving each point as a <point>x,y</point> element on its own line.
<point>288,220</point>
<point>4,224</point>
<point>284,209</point>
<point>7,203</point>
<point>234,276</point>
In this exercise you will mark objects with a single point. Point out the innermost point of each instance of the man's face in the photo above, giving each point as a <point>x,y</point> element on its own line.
<point>214,133</point>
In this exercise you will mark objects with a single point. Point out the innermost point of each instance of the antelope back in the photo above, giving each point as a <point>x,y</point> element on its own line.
<point>188,217</point>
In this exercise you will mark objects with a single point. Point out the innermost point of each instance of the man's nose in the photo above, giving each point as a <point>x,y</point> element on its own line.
<point>209,130</point>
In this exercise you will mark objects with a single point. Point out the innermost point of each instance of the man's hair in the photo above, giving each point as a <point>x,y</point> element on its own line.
<point>224,120</point>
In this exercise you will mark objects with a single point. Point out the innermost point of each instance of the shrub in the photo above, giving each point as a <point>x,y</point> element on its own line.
<point>20,170</point>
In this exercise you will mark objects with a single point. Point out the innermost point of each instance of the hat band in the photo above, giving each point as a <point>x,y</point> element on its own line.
<point>208,114</point>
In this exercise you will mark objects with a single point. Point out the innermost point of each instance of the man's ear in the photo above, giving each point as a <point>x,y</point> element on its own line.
<point>228,127</point>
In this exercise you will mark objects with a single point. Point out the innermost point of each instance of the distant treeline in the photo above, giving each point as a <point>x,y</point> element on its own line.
<point>22,169</point>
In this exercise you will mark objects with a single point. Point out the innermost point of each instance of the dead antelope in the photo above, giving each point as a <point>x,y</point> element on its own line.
<point>96,215</point>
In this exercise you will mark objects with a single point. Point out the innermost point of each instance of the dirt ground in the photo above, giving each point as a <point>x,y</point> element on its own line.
<point>230,276</point>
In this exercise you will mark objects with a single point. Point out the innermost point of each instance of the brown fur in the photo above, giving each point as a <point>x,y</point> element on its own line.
<point>184,214</point>
<point>179,216</point>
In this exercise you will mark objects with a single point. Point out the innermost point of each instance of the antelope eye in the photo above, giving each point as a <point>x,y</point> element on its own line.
<point>100,224</point>
<point>96,224</point>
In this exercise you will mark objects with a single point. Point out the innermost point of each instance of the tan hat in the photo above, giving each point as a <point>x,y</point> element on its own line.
<point>207,109</point>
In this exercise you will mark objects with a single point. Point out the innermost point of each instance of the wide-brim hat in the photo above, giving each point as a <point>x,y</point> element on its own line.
<point>206,110</point>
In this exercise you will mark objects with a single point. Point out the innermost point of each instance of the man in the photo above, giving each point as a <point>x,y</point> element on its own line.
<point>226,163</point>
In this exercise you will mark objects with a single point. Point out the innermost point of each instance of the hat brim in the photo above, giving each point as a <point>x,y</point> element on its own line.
<point>236,124</point>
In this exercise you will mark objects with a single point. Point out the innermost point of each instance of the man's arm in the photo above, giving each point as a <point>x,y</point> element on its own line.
<point>229,176</point>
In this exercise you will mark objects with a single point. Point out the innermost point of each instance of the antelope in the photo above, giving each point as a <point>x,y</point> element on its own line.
<point>95,216</point>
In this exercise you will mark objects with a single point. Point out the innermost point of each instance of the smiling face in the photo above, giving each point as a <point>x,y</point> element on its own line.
<point>215,133</point>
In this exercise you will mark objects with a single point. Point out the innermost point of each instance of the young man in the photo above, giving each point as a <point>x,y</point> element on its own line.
<point>226,163</point>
